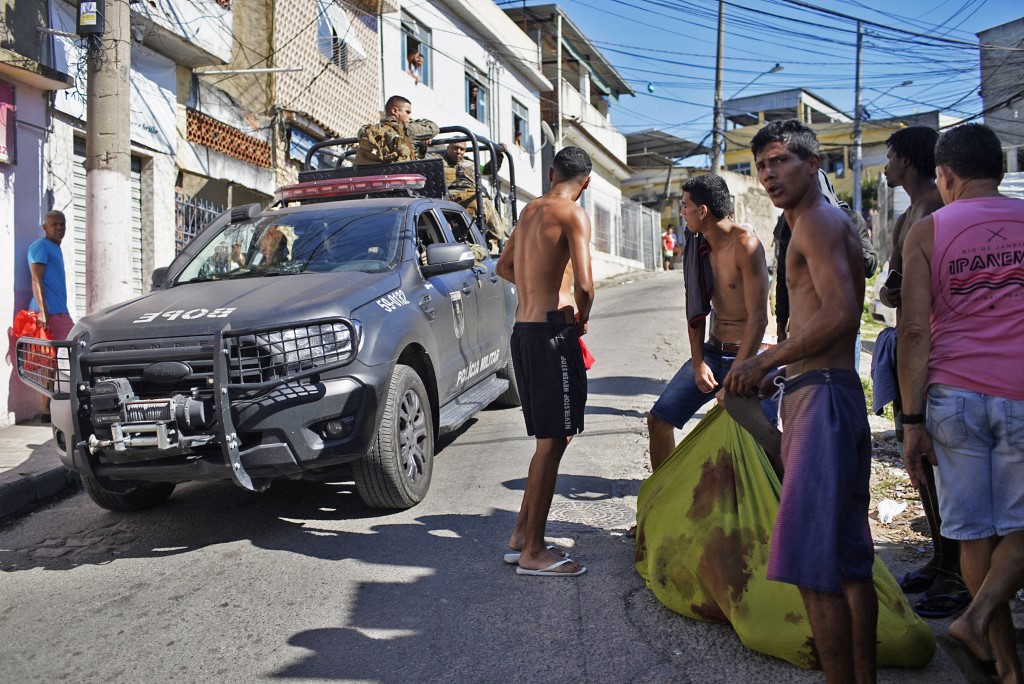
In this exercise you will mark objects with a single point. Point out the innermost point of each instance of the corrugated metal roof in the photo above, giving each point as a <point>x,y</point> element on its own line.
<point>658,148</point>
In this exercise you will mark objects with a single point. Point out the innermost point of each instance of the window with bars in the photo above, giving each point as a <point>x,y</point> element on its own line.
<point>333,39</point>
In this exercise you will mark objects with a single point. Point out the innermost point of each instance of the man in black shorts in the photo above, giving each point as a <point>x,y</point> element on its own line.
<point>552,232</point>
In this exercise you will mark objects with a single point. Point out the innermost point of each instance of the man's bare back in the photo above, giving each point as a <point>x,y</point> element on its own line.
<point>552,239</point>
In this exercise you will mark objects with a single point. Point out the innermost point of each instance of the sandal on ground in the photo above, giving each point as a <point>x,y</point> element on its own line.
<point>939,606</point>
<point>916,581</point>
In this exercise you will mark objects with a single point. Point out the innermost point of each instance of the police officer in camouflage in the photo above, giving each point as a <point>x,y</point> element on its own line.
<point>459,178</point>
<point>387,142</point>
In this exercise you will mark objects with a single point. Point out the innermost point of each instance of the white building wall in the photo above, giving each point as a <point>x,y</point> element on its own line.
<point>444,100</point>
<point>24,199</point>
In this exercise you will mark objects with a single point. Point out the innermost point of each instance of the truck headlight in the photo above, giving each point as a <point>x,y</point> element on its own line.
<point>271,354</point>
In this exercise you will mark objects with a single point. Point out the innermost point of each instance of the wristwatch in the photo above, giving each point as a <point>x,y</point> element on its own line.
<point>912,418</point>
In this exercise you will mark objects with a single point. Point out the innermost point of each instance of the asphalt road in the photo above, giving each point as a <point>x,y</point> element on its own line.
<point>302,583</point>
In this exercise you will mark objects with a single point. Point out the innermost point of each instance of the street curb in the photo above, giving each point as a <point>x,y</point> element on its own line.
<point>40,478</point>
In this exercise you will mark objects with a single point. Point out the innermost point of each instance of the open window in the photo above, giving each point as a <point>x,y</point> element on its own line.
<point>476,94</point>
<point>335,39</point>
<point>520,125</point>
<point>834,162</point>
<point>416,42</point>
<point>462,230</point>
<point>428,232</point>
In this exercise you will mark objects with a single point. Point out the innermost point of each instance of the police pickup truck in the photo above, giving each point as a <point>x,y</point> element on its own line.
<point>348,325</point>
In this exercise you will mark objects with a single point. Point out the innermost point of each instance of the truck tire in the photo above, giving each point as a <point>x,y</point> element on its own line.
<point>124,496</point>
<point>395,471</point>
<point>509,398</point>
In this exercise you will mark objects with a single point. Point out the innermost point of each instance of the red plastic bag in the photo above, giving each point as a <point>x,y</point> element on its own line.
<point>588,358</point>
<point>27,325</point>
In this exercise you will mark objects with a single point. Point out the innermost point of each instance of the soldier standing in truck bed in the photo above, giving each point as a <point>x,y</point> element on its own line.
<point>396,138</point>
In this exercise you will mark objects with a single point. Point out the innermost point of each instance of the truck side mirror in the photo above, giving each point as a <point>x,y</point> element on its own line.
<point>448,258</point>
<point>157,279</point>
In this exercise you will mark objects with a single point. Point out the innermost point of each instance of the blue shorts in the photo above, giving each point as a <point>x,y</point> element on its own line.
<point>682,398</point>
<point>979,442</point>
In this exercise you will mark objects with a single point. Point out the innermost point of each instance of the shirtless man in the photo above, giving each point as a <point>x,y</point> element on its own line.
<point>553,231</point>
<point>911,165</point>
<point>822,542</point>
<point>738,318</point>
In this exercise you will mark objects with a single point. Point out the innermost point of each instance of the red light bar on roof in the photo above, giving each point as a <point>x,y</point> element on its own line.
<point>357,185</point>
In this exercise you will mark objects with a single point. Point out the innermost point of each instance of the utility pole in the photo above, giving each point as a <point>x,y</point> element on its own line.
<point>718,127</point>
<point>108,261</point>
<point>858,112</point>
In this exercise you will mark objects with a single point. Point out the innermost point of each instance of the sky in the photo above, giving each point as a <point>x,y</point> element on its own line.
<point>665,50</point>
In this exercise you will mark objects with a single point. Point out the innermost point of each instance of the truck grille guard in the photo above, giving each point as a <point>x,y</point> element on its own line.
<point>237,364</point>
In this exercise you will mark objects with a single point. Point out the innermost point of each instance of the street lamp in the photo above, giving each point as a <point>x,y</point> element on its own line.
<point>774,70</point>
<point>718,145</point>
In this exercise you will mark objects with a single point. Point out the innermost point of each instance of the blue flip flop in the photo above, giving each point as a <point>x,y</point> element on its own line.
<point>916,581</point>
<point>939,606</point>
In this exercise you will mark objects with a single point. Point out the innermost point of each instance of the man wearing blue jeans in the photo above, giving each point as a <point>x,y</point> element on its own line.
<point>739,310</point>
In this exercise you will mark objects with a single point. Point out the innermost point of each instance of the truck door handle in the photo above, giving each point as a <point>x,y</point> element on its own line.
<point>427,308</point>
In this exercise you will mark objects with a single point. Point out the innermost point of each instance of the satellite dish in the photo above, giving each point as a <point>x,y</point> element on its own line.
<point>547,135</point>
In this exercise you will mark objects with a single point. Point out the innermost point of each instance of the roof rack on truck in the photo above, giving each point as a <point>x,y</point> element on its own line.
<point>391,178</point>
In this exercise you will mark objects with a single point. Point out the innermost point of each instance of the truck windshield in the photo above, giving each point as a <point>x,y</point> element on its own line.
<point>314,241</point>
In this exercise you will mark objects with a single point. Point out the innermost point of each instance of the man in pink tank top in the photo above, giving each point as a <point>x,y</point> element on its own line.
<point>961,341</point>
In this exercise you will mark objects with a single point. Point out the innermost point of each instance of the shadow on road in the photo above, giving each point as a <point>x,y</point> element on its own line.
<point>401,631</point>
<point>624,385</point>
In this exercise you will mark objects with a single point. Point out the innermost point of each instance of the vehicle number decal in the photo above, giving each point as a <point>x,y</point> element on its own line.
<point>185,315</point>
<point>474,369</point>
<point>392,301</point>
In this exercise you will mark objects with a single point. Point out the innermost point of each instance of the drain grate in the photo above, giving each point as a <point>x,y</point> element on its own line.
<point>570,516</point>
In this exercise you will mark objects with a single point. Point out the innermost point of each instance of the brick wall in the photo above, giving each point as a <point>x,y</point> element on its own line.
<point>219,136</point>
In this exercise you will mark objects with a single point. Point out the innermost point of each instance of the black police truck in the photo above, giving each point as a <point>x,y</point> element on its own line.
<point>347,326</point>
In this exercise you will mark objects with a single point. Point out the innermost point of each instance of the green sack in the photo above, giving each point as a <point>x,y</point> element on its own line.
<point>704,525</point>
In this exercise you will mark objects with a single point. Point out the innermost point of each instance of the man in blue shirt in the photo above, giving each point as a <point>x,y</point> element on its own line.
<point>49,289</point>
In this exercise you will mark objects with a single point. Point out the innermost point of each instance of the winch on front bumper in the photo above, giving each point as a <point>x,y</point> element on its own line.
<point>172,410</point>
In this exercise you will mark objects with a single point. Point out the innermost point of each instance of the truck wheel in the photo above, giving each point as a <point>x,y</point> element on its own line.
<point>395,471</point>
<point>122,496</point>
<point>510,397</point>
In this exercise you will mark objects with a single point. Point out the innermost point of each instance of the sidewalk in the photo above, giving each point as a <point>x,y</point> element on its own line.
<point>30,469</point>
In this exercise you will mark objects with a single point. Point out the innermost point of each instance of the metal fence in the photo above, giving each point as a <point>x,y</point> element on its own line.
<point>192,214</point>
<point>640,235</point>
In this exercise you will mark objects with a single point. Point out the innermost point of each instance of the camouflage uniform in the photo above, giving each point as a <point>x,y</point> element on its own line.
<point>384,143</point>
<point>461,184</point>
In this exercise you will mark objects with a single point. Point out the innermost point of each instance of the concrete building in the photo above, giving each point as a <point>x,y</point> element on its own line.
<point>479,71</point>
<point>577,112</point>
<point>1002,63</point>
<point>657,182</point>
<point>28,83</point>
<point>745,116</point>
<point>299,72</point>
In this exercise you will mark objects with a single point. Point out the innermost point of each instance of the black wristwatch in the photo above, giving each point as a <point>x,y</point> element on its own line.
<point>912,418</point>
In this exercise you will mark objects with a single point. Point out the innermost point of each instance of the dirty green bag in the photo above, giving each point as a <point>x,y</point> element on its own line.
<point>704,527</point>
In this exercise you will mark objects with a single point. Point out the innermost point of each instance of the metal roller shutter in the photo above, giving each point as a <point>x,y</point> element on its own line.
<point>77,305</point>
